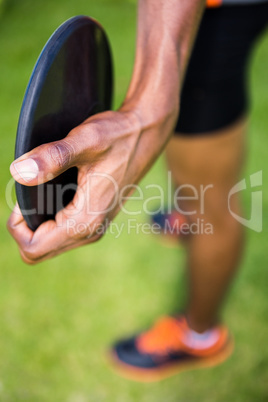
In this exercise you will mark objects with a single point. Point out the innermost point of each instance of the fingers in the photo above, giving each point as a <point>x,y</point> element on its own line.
<point>18,228</point>
<point>45,162</point>
<point>75,244</point>
<point>47,238</point>
<point>51,238</point>
<point>33,255</point>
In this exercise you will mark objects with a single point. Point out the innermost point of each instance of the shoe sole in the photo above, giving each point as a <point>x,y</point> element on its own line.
<point>152,375</point>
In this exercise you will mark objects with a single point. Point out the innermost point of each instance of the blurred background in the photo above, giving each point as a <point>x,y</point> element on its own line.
<point>58,318</point>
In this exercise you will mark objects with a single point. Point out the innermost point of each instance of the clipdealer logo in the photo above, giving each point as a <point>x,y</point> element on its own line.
<point>146,202</point>
<point>255,220</point>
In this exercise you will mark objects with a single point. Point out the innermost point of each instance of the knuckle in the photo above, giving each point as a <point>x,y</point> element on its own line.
<point>96,139</point>
<point>61,154</point>
<point>9,226</point>
<point>100,143</point>
<point>31,253</point>
<point>96,142</point>
<point>26,260</point>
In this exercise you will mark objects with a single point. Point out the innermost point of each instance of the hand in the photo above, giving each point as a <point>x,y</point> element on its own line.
<point>101,148</point>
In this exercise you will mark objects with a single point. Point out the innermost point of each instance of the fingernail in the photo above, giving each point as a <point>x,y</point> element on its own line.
<point>27,169</point>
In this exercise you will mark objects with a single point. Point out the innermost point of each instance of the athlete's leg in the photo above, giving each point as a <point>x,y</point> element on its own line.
<point>209,150</point>
<point>212,163</point>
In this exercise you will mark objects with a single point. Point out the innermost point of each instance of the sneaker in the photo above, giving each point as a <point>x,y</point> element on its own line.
<point>171,226</point>
<point>169,347</point>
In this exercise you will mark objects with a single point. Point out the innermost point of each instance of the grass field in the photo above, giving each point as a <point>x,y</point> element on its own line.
<point>57,318</point>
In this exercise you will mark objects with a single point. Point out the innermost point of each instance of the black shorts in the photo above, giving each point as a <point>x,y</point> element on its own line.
<point>214,93</point>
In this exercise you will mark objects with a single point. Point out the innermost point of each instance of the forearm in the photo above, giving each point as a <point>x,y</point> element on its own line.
<point>166,31</point>
<point>165,34</point>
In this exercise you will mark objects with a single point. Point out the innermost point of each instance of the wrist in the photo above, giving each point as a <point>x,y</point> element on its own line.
<point>155,104</point>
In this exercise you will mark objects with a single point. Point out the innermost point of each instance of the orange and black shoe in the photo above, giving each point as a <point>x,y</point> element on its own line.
<point>169,347</point>
<point>173,227</point>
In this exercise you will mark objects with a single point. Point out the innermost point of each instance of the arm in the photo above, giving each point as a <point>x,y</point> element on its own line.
<point>123,144</point>
<point>166,30</point>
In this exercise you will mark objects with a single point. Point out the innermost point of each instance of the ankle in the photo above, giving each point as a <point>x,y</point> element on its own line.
<point>199,325</point>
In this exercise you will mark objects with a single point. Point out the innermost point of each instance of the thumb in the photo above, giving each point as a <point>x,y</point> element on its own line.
<point>44,162</point>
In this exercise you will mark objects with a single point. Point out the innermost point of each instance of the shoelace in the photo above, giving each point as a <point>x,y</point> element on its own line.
<point>164,337</point>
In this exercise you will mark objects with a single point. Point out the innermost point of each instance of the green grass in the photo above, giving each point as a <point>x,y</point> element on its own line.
<point>56,319</point>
